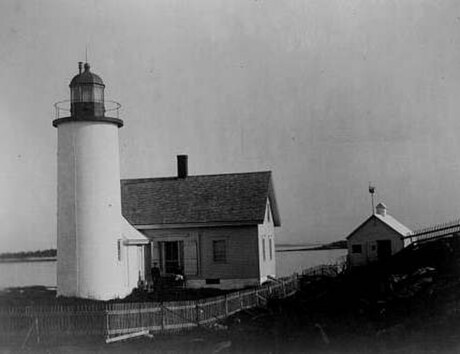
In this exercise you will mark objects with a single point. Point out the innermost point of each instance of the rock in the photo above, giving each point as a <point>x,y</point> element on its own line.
<point>221,346</point>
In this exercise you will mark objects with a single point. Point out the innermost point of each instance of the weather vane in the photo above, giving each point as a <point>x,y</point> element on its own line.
<point>372,191</point>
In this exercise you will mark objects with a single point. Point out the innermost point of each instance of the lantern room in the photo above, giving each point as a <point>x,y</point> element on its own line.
<point>86,94</point>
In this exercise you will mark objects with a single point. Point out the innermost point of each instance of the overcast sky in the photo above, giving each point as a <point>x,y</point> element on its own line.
<point>328,95</point>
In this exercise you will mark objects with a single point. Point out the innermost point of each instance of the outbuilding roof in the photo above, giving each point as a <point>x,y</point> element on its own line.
<point>222,198</point>
<point>394,224</point>
<point>389,221</point>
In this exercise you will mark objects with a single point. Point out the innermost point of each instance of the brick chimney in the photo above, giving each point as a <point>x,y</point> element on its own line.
<point>182,166</point>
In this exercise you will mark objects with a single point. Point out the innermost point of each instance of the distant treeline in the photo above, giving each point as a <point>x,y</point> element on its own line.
<point>29,254</point>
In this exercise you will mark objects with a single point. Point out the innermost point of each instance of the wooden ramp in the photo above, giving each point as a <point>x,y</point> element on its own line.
<point>434,232</point>
<point>437,246</point>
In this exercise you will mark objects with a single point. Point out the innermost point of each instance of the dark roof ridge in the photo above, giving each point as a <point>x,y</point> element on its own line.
<point>147,179</point>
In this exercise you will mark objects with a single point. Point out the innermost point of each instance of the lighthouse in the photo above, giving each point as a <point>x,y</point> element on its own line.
<point>90,263</point>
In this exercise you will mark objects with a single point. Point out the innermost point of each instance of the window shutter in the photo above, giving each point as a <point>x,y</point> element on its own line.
<point>190,257</point>
<point>156,253</point>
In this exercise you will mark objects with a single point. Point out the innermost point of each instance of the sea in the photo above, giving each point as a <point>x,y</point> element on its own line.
<point>43,273</point>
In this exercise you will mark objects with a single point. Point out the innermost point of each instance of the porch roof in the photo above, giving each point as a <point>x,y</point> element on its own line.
<point>222,198</point>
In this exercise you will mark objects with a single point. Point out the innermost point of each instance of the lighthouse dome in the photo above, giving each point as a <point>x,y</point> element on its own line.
<point>87,102</point>
<point>86,77</point>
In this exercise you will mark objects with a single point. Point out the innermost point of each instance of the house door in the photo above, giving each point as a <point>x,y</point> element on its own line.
<point>172,257</point>
<point>383,249</point>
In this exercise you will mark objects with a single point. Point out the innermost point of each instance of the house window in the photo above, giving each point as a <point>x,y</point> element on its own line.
<point>263,248</point>
<point>356,249</point>
<point>119,250</point>
<point>219,251</point>
<point>270,248</point>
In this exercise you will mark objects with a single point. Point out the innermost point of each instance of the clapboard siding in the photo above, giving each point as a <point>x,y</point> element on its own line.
<point>242,250</point>
<point>242,253</point>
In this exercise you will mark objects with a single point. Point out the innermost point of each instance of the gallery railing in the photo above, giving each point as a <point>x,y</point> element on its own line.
<point>62,109</point>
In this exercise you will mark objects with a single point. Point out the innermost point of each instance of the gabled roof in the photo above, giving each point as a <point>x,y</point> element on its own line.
<point>387,220</point>
<point>223,198</point>
<point>394,224</point>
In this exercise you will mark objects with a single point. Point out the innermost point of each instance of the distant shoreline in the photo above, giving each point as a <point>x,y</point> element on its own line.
<point>28,259</point>
<point>337,245</point>
<point>50,254</point>
<point>321,248</point>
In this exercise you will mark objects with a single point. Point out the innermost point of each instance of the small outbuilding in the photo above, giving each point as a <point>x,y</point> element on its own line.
<point>377,238</point>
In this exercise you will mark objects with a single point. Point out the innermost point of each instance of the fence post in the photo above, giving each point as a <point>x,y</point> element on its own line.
<point>197,314</point>
<point>107,326</point>
<point>162,317</point>
<point>226,306</point>
<point>37,329</point>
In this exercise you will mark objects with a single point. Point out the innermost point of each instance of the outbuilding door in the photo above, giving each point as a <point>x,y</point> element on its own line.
<point>383,249</point>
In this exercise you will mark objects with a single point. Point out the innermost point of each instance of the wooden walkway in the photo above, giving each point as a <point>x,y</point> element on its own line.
<point>434,232</point>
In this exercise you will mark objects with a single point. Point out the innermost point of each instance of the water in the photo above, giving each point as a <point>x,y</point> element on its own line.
<point>296,261</point>
<point>18,274</point>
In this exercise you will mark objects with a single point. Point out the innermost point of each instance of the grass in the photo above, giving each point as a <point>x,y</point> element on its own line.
<point>40,295</point>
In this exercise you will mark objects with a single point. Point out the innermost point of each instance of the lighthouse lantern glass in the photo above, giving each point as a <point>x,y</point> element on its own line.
<point>98,93</point>
<point>87,93</point>
<point>75,94</point>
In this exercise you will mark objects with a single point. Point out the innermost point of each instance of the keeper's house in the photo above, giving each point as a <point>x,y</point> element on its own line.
<point>376,239</point>
<point>216,230</point>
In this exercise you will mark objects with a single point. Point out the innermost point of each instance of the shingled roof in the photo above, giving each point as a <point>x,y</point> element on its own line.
<point>387,220</point>
<point>223,198</point>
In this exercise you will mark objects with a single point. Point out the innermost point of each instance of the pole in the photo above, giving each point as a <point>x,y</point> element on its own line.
<point>372,197</point>
<point>372,191</point>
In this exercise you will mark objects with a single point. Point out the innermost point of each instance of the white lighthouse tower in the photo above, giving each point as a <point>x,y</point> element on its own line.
<point>89,232</point>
